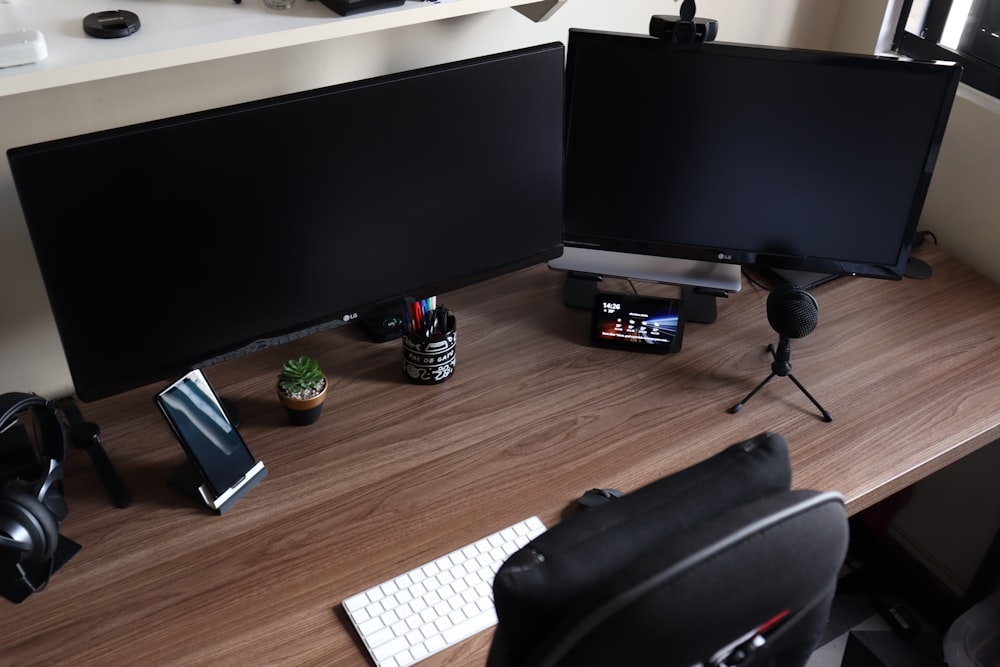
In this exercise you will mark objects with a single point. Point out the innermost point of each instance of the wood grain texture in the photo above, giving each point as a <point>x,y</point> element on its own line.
<point>395,474</point>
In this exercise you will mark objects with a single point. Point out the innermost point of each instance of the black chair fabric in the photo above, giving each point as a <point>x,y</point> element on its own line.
<point>676,571</point>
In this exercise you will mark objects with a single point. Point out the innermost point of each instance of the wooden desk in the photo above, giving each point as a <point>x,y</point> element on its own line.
<point>396,474</point>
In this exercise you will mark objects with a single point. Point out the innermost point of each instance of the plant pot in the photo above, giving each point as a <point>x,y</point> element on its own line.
<point>302,412</point>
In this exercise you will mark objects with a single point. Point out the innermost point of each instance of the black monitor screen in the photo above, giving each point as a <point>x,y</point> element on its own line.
<point>776,157</point>
<point>169,243</point>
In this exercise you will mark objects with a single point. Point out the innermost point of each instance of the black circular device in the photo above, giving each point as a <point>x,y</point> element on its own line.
<point>110,24</point>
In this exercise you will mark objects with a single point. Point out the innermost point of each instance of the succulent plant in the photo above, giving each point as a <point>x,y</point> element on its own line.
<point>301,378</point>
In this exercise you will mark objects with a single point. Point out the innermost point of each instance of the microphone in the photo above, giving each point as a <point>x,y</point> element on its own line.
<point>793,313</point>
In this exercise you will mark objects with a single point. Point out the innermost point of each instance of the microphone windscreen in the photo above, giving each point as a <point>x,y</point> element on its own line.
<point>792,311</point>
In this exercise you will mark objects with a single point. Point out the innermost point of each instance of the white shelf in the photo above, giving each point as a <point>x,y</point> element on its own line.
<point>180,32</point>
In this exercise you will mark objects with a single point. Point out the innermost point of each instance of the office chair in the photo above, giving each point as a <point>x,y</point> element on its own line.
<point>718,564</point>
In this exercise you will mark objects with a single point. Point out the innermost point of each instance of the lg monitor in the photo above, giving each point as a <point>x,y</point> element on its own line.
<point>170,244</point>
<point>743,155</point>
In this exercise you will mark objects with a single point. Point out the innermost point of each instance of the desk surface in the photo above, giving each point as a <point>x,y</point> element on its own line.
<point>395,474</point>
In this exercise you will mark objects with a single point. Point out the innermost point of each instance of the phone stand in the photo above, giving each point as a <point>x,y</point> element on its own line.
<point>188,480</point>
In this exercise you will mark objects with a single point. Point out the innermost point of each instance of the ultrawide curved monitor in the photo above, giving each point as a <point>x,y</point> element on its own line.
<point>167,245</point>
<point>777,158</point>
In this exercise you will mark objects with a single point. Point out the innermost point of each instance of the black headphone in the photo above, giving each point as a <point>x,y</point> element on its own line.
<point>32,510</point>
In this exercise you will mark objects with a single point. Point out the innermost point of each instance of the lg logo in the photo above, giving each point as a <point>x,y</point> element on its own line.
<point>724,257</point>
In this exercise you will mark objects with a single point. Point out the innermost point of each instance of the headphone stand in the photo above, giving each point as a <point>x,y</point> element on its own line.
<point>17,587</point>
<point>781,369</point>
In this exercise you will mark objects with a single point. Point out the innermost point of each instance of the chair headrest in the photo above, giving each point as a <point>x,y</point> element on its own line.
<point>617,566</point>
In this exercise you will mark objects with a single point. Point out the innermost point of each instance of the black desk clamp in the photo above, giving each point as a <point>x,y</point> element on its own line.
<point>87,436</point>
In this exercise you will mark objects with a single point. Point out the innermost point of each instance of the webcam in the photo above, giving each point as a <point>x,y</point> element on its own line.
<point>683,31</point>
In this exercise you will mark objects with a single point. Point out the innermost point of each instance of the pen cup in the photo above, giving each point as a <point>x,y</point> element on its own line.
<point>430,359</point>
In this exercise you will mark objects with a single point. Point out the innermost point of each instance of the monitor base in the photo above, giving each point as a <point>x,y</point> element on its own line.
<point>652,268</point>
<point>917,269</point>
<point>807,280</point>
<point>579,290</point>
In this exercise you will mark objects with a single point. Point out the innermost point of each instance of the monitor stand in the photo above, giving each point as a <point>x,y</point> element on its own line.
<point>702,283</point>
<point>804,279</point>
<point>668,270</point>
<point>579,290</point>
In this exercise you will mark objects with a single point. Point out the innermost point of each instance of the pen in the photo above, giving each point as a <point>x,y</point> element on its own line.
<point>418,317</point>
<point>424,318</point>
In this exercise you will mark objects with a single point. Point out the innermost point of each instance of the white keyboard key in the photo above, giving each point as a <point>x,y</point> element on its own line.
<point>355,602</point>
<point>421,612</point>
<point>371,626</point>
<point>389,649</point>
<point>470,626</point>
<point>435,644</point>
<point>380,637</point>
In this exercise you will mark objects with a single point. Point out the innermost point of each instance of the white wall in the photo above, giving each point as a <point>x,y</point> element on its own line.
<point>858,26</point>
<point>31,358</point>
<point>961,207</point>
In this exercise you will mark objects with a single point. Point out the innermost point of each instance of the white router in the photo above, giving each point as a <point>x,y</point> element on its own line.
<point>22,47</point>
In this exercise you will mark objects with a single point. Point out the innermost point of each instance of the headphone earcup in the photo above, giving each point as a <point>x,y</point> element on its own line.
<point>19,509</point>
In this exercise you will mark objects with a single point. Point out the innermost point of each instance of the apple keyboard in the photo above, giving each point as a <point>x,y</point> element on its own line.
<point>434,606</point>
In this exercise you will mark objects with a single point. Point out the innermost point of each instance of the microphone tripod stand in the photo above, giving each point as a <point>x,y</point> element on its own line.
<point>782,367</point>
